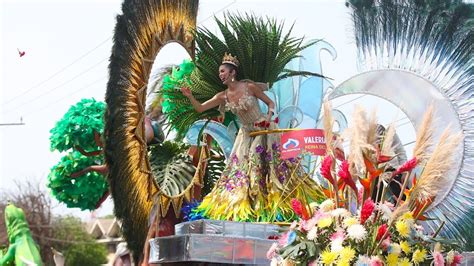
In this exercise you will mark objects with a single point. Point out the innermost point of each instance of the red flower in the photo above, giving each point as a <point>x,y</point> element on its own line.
<point>299,209</point>
<point>325,169</point>
<point>264,124</point>
<point>366,210</point>
<point>381,232</point>
<point>276,120</point>
<point>406,167</point>
<point>457,260</point>
<point>346,175</point>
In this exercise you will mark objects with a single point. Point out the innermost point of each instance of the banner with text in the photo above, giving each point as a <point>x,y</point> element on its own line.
<point>309,140</point>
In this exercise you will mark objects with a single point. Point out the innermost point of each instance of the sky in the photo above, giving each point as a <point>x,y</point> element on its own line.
<point>67,45</point>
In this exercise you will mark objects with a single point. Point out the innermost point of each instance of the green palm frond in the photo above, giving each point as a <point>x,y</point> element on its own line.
<point>262,47</point>
<point>172,167</point>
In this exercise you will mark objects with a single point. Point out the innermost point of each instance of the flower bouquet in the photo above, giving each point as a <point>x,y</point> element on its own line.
<point>361,223</point>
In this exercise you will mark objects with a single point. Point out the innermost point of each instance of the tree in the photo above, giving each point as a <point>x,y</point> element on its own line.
<point>65,234</point>
<point>77,245</point>
<point>36,203</point>
<point>78,180</point>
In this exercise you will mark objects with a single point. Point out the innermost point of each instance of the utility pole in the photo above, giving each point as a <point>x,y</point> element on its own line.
<point>14,124</point>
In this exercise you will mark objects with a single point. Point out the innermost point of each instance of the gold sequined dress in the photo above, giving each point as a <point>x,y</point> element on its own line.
<point>256,184</point>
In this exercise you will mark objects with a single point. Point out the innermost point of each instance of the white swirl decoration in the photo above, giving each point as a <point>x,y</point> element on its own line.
<point>413,54</point>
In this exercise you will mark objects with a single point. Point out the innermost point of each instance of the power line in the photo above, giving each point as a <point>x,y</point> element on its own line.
<point>47,92</point>
<point>218,11</point>
<point>57,87</point>
<point>38,110</point>
<point>57,73</point>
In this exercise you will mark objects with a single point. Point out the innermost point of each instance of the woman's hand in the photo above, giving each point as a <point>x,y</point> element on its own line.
<point>269,117</point>
<point>186,92</point>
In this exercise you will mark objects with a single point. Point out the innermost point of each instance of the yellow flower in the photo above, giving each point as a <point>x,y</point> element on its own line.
<point>350,221</point>
<point>419,256</point>
<point>324,222</point>
<point>405,247</point>
<point>407,216</point>
<point>328,257</point>
<point>347,254</point>
<point>392,259</point>
<point>403,228</point>
<point>343,263</point>
<point>404,262</point>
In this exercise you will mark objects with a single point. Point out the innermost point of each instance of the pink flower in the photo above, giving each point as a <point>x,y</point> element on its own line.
<point>309,224</point>
<point>346,175</point>
<point>272,251</point>
<point>375,261</point>
<point>325,169</point>
<point>381,232</point>
<point>283,239</point>
<point>406,167</point>
<point>338,236</point>
<point>366,210</point>
<point>438,258</point>
<point>386,243</point>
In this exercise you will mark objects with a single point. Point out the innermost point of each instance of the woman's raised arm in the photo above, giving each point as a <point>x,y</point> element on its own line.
<point>209,104</point>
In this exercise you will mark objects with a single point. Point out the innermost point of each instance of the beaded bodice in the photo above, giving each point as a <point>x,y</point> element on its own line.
<point>246,109</point>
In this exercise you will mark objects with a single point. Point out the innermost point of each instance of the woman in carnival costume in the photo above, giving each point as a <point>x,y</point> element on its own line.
<point>256,184</point>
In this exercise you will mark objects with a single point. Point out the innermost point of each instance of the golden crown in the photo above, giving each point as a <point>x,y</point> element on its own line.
<point>229,59</point>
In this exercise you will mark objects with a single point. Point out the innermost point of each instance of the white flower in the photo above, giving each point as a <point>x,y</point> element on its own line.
<point>293,225</point>
<point>350,221</point>
<point>394,248</point>
<point>340,212</point>
<point>313,205</point>
<point>356,232</point>
<point>274,262</point>
<point>312,234</point>
<point>336,245</point>
<point>327,205</point>
<point>363,261</point>
<point>386,211</point>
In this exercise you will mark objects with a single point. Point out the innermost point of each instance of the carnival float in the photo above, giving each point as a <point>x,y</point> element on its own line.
<point>236,155</point>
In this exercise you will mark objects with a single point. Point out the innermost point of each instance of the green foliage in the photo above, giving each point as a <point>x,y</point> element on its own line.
<point>82,192</point>
<point>78,247</point>
<point>260,44</point>
<point>86,254</point>
<point>172,167</point>
<point>77,126</point>
<point>214,169</point>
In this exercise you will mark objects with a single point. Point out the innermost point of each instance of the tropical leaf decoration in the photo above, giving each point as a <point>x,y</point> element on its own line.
<point>81,192</point>
<point>76,128</point>
<point>214,169</point>
<point>262,47</point>
<point>172,167</point>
